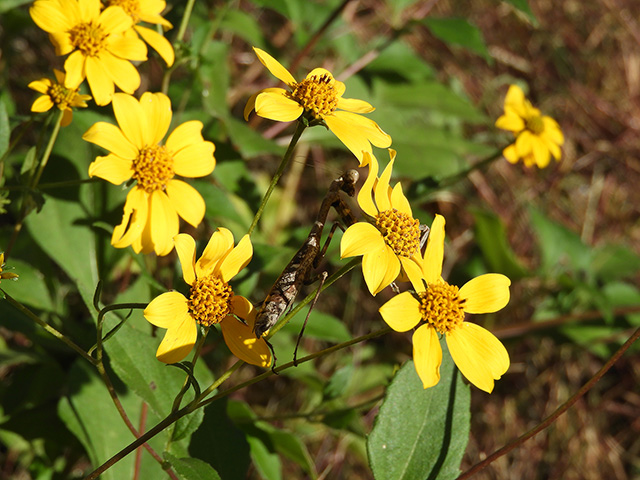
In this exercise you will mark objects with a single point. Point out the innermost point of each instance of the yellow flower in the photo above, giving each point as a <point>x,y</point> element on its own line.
<point>149,11</point>
<point>440,308</point>
<point>318,97</point>
<point>99,46</point>
<point>6,275</point>
<point>537,136</point>
<point>211,300</point>
<point>394,242</point>
<point>55,93</point>
<point>153,205</point>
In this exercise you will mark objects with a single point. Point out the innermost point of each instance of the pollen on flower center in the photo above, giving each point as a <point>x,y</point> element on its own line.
<point>153,168</point>
<point>400,231</point>
<point>131,7</point>
<point>88,38</point>
<point>441,306</point>
<point>210,300</point>
<point>61,96</point>
<point>535,124</point>
<point>316,94</point>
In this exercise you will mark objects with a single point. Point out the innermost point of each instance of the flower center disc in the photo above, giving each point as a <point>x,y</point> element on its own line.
<point>60,96</point>
<point>317,95</point>
<point>535,124</point>
<point>400,231</point>
<point>153,168</point>
<point>441,306</point>
<point>209,300</point>
<point>88,38</point>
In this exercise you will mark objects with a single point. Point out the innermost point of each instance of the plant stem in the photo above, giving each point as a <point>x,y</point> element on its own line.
<point>48,328</point>
<point>285,160</point>
<point>554,416</point>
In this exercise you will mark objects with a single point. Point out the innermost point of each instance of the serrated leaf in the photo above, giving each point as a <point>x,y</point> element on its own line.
<point>459,31</point>
<point>192,468</point>
<point>421,433</point>
<point>492,239</point>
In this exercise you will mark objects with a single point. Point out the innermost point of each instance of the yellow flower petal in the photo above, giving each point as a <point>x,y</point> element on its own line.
<point>365,196</point>
<point>485,294</point>
<point>74,65</point>
<point>379,269</point>
<point>434,254</point>
<point>99,79</point>
<point>185,134</point>
<point>167,310</point>
<point>112,19</point>
<point>131,119</point>
<point>511,122</point>
<point>111,168</point>
<point>128,47</point>
<point>42,104</point>
<point>357,132</point>
<point>243,342</point>
<point>478,354</point>
<point>381,192</point>
<point>427,355</point>
<point>540,152</point>
<point>402,312</point>
<point>134,219</point>
<point>399,201</point>
<point>276,69</point>
<point>158,42</point>
<point>219,245</point>
<point>50,18</point>
<point>186,250</point>
<point>41,86</point>
<point>195,160</point>
<point>552,129</point>
<point>67,116</point>
<point>251,103</point>
<point>412,268</point>
<point>164,223</point>
<point>178,342</point>
<point>354,105</point>
<point>511,154</point>
<point>237,259</point>
<point>187,201</point>
<point>157,110</point>
<point>359,239</point>
<point>524,144</point>
<point>111,138</point>
<point>278,107</point>
<point>515,100</point>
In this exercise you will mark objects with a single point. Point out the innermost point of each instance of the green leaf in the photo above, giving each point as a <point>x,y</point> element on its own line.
<point>8,5</point>
<point>244,26</point>
<point>338,382</point>
<point>611,262</point>
<point>5,128</point>
<point>90,414</point>
<point>60,230</point>
<point>523,6</point>
<point>214,77</point>
<point>267,463</point>
<point>30,288</point>
<point>492,239</point>
<point>250,143</point>
<point>321,326</point>
<point>192,468</point>
<point>459,31</point>
<point>421,433</point>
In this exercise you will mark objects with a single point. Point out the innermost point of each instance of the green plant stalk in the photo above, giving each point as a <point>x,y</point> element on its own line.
<point>196,355</point>
<point>453,179</point>
<point>285,161</point>
<point>118,306</point>
<point>559,411</point>
<point>175,416</point>
<point>48,327</point>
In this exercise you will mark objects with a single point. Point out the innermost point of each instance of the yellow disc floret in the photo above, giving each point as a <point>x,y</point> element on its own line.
<point>441,306</point>
<point>132,7</point>
<point>88,38</point>
<point>316,94</point>
<point>153,168</point>
<point>535,124</point>
<point>400,231</point>
<point>60,96</point>
<point>210,300</point>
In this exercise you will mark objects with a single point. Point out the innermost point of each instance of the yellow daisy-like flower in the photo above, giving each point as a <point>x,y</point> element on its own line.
<point>100,48</point>
<point>149,11</point>
<point>393,243</point>
<point>318,97</point>
<point>7,275</point>
<point>153,205</point>
<point>440,308</point>
<point>55,93</point>
<point>537,136</point>
<point>211,300</point>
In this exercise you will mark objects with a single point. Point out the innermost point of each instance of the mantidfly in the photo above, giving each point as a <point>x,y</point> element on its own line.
<point>298,271</point>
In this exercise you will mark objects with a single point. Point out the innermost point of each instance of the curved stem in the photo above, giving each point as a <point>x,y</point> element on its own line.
<point>49,328</point>
<point>285,160</point>
<point>554,416</point>
<point>48,149</point>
